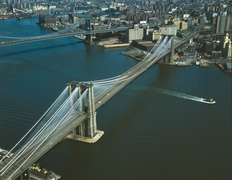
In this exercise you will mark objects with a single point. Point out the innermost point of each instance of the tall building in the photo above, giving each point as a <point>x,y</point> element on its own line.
<point>201,21</point>
<point>48,9</point>
<point>207,46</point>
<point>229,52</point>
<point>183,25</point>
<point>177,22</point>
<point>146,33</point>
<point>28,5</point>
<point>216,54</point>
<point>168,30</point>
<point>223,24</point>
<point>228,23</point>
<point>213,20</point>
<point>134,34</point>
<point>225,46</point>
<point>154,35</point>
<point>190,22</point>
<point>73,19</point>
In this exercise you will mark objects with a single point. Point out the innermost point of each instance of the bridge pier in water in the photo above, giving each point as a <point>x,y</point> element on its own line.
<point>89,37</point>
<point>86,131</point>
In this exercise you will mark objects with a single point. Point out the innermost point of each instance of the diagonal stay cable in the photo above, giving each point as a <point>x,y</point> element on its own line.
<point>23,149</point>
<point>47,136</point>
<point>34,125</point>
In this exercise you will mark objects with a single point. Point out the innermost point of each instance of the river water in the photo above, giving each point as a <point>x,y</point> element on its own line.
<point>155,128</point>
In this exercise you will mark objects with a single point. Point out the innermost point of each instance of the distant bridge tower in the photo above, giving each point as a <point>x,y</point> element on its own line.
<point>88,28</point>
<point>86,131</point>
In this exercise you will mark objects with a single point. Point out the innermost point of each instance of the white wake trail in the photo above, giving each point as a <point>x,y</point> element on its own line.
<point>179,95</point>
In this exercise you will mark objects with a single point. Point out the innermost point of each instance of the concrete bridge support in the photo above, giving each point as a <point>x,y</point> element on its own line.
<point>89,39</point>
<point>80,130</point>
<point>171,59</point>
<point>87,128</point>
<point>87,131</point>
<point>166,59</point>
<point>91,121</point>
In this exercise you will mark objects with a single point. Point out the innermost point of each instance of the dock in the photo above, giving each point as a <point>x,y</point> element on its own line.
<point>223,68</point>
<point>204,63</point>
<point>80,37</point>
<point>116,45</point>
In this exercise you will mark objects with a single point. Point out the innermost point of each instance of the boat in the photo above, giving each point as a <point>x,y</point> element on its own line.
<point>37,172</point>
<point>209,101</point>
<point>197,63</point>
<point>181,64</point>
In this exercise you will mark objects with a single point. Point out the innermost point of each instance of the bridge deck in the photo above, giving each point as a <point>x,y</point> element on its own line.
<point>54,36</point>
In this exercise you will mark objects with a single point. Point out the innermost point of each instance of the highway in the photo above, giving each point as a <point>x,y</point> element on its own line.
<point>58,131</point>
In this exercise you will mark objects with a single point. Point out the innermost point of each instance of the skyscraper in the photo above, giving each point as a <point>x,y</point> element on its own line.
<point>225,46</point>
<point>228,23</point>
<point>223,24</point>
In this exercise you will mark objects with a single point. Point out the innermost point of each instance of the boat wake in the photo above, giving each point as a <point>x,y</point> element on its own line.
<point>182,95</point>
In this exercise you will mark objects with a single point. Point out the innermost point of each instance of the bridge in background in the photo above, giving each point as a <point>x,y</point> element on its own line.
<point>74,112</point>
<point>19,40</point>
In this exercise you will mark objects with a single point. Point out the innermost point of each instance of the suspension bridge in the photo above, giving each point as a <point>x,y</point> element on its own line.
<point>74,111</point>
<point>20,40</point>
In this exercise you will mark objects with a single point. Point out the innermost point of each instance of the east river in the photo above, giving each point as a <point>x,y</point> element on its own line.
<point>155,128</point>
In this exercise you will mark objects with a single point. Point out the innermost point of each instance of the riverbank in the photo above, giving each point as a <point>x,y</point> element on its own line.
<point>136,54</point>
<point>223,68</point>
<point>116,45</point>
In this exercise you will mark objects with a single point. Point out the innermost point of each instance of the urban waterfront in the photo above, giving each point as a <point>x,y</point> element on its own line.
<point>150,133</point>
